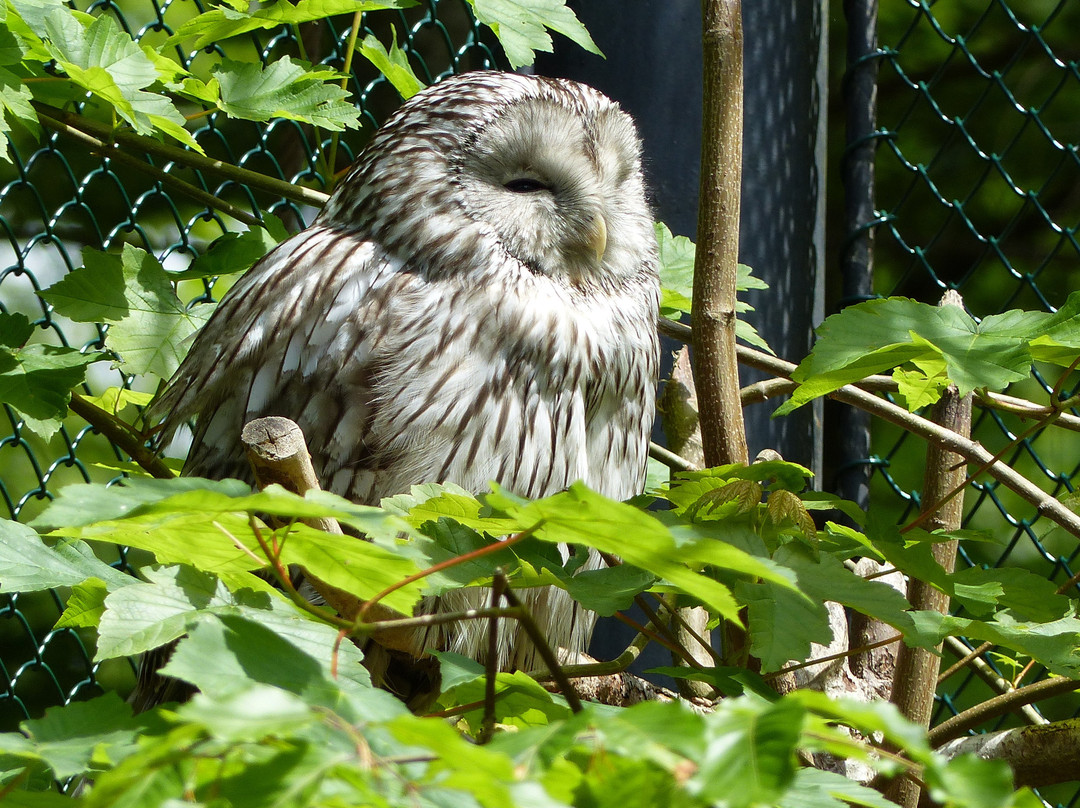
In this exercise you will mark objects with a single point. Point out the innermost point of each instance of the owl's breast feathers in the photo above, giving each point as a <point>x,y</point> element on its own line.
<point>398,377</point>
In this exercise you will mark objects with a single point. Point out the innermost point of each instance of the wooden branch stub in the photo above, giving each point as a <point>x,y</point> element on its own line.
<point>278,453</point>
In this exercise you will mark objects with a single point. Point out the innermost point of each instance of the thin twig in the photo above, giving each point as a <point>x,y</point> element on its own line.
<point>494,547</point>
<point>138,143</point>
<point>487,725</point>
<point>987,674</point>
<point>112,152</point>
<point>999,705</point>
<point>539,641</point>
<point>346,69</point>
<point>850,652</point>
<point>971,450</point>
<point>676,615</point>
<point>877,383</point>
<point>670,459</point>
<point>122,434</point>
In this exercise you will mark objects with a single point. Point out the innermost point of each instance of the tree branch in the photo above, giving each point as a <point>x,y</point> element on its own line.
<point>113,152</point>
<point>915,676</point>
<point>999,705</point>
<point>1038,756</point>
<point>122,434</point>
<point>716,369</point>
<point>970,450</point>
<point>138,143</point>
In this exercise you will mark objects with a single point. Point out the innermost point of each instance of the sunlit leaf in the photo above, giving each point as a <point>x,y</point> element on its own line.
<point>132,292</point>
<point>520,26</point>
<point>394,64</point>
<point>221,23</point>
<point>284,89</point>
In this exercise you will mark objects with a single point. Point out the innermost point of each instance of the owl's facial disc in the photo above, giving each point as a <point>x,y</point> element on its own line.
<point>548,179</point>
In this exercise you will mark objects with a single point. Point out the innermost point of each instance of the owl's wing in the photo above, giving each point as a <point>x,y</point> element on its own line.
<point>299,336</point>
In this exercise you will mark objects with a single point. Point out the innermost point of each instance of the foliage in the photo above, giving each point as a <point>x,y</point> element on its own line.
<point>286,711</point>
<point>287,714</point>
<point>927,347</point>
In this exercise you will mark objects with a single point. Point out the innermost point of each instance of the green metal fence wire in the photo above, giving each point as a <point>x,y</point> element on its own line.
<point>58,198</point>
<point>978,189</point>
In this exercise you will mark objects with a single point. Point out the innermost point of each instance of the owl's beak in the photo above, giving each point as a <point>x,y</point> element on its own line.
<point>598,236</point>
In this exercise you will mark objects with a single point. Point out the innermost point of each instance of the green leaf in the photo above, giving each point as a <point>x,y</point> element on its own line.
<point>814,788</point>
<point>917,389</point>
<point>69,737</point>
<point>251,714</point>
<point>222,23</point>
<point>176,599</point>
<point>749,756</point>
<point>520,701</point>
<point>482,772</point>
<point>520,26</point>
<point>235,252</point>
<point>868,718</point>
<point>825,578</point>
<point>284,89</point>
<point>1055,644</point>
<point>782,623</point>
<point>394,64</point>
<point>200,522</point>
<point>116,399</point>
<point>132,292</point>
<point>27,564</point>
<point>81,505</point>
<point>980,591</point>
<point>676,258</point>
<point>782,626</point>
<point>580,516</point>
<point>880,335</point>
<point>150,614</point>
<point>357,566</point>
<point>85,605</point>
<point>37,379</point>
<point>15,97</point>
<point>455,669</point>
<point>11,49</point>
<point>104,60</point>
<point>248,648</point>
<point>609,589</point>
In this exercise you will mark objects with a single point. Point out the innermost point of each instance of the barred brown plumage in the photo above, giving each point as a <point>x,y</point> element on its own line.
<point>476,302</point>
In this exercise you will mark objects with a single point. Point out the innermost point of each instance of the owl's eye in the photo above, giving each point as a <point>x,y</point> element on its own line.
<point>525,185</point>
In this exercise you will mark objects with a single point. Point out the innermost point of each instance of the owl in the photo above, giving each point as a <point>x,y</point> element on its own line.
<point>477,302</point>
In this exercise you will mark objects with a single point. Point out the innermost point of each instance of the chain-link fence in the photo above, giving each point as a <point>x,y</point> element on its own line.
<point>976,152</point>
<point>58,198</point>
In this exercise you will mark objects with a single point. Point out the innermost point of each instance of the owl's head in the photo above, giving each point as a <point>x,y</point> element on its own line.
<point>546,171</point>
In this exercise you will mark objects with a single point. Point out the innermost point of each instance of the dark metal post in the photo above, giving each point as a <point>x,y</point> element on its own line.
<point>850,426</point>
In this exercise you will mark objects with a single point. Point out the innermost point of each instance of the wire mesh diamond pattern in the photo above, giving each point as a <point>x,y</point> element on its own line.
<point>58,198</point>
